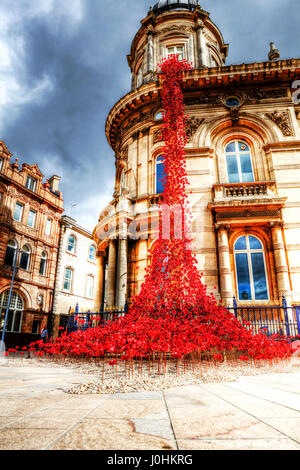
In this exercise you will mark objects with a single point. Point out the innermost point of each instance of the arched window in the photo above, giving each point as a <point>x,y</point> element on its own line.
<point>25,258</point>
<point>250,267</point>
<point>158,116</point>
<point>160,175</point>
<point>10,254</point>
<point>16,307</point>
<point>239,162</point>
<point>71,244</point>
<point>92,253</point>
<point>68,278</point>
<point>43,264</point>
<point>178,50</point>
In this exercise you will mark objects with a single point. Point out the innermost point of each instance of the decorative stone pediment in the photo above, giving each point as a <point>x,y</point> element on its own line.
<point>33,170</point>
<point>191,127</point>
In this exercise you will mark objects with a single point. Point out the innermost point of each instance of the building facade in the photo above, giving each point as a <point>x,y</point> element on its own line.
<point>30,211</point>
<point>77,274</point>
<point>243,164</point>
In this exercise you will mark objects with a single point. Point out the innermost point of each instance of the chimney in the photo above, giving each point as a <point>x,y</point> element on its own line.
<point>54,183</point>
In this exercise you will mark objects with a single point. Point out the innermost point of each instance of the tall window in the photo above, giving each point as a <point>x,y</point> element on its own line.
<point>43,264</point>
<point>250,269</point>
<point>1,163</point>
<point>31,218</point>
<point>71,244</point>
<point>178,50</point>
<point>18,212</point>
<point>16,307</point>
<point>10,252</point>
<point>25,258</point>
<point>89,286</point>
<point>160,175</point>
<point>68,277</point>
<point>48,227</point>
<point>30,183</point>
<point>92,253</point>
<point>239,163</point>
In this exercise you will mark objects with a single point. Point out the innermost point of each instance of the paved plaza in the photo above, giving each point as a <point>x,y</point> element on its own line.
<point>259,412</point>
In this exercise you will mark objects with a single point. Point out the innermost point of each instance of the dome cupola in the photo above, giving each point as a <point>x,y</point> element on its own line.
<point>165,5</point>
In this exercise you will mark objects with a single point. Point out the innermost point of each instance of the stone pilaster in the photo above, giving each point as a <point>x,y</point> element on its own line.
<point>281,268</point>
<point>111,276</point>
<point>224,265</point>
<point>122,273</point>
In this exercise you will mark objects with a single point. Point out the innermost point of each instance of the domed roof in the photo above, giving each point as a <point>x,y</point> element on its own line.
<point>164,5</point>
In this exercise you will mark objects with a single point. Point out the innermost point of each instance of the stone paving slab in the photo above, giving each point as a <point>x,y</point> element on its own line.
<point>254,413</point>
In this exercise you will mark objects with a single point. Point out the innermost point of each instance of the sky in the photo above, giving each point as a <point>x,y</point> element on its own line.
<point>63,66</point>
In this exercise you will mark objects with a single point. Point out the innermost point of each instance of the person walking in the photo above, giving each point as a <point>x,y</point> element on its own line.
<point>44,335</point>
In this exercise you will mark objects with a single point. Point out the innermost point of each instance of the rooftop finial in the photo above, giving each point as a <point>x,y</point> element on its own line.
<point>274,53</point>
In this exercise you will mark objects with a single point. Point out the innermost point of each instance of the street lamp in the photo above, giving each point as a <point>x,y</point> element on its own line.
<point>14,269</point>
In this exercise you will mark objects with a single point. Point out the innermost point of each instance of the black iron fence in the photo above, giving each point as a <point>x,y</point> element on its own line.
<point>82,321</point>
<point>283,320</point>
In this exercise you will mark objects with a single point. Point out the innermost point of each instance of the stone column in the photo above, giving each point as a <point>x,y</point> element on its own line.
<point>224,265</point>
<point>122,273</point>
<point>150,53</point>
<point>281,268</point>
<point>202,46</point>
<point>99,293</point>
<point>111,276</point>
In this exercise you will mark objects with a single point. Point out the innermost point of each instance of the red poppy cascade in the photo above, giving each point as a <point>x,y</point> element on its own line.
<point>173,313</point>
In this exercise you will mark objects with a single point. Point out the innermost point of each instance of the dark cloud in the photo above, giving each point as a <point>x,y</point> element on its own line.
<point>75,70</point>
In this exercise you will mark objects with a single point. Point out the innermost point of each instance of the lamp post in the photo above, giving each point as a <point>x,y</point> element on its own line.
<point>14,269</point>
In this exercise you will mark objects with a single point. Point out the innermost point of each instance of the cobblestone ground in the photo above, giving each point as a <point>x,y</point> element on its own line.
<point>248,412</point>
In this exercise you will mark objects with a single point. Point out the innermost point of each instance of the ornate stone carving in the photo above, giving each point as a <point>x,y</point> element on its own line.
<point>204,99</point>
<point>283,121</point>
<point>157,136</point>
<point>139,119</point>
<point>259,94</point>
<point>176,28</point>
<point>191,127</point>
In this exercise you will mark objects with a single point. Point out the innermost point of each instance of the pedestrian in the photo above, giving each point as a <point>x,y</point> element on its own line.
<point>44,335</point>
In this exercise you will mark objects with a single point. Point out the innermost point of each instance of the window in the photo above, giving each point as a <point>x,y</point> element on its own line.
<point>92,253</point>
<point>10,254</point>
<point>30,183</point>
<point>25,258</point>
<point>158,116</point>
<point>18,212</point>
<point>43,264</point>
<point>90,287</point>
<point>48,227</point>
<point>1,163</point>
<point>15,313</point>
<point>239,164</point>
<point>178,50</point>
<point>31,218</point>
<point>71,244</point>
<point>250,269</point>
<point>68,279</point>
<point>160,175</point>
<point>36,327</point>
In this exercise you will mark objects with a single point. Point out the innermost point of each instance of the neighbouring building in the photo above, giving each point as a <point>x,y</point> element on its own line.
<point>77,274</point>
<point>30,210</point>
<point>243,164</point>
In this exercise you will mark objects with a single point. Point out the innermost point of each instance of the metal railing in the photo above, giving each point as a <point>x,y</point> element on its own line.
<point>283,320</point>
<point>83,321</point>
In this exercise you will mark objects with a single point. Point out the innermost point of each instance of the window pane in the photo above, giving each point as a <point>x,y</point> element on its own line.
<point>232,168</point>
<point>9,256</point>
<point>243,277</point>
<point>1,163</point>
<point>31,218</point>
<point>243,147</point>
<point>160,175</point>
<point>241,244</point>
<point>255,244</point>
<point>246,168</point>
<point>48,227</point>
<point>42,267</point>
<point>259,276</point>
<point>18,212</point>
<point>230,147</point>
<point>71,244</point>
<point>30,183</point>
<point>24,261</point>
<point>17,322</point>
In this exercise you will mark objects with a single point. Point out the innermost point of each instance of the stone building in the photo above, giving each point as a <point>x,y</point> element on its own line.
<point>243,164</point>
<point>30,211</point>
<point>77,273</point>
